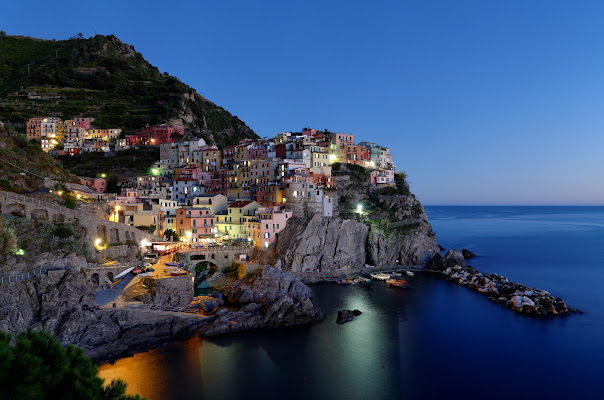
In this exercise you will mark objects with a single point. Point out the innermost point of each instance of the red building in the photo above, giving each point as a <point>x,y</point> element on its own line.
<point>156,135</point>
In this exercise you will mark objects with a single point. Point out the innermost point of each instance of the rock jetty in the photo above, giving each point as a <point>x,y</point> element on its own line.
<point>513,295</point>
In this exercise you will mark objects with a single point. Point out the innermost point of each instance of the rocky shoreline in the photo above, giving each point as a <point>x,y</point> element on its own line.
<point>515,296</point>
<point>64,304</point>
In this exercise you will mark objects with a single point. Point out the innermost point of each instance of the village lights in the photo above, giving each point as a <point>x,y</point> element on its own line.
<point>360,209</point>
<point>145,243</point>
<point>188,234</point>
<point>97,241</point>
<point>103,175</point>
<point>20,252</point>
<point>332,158</point>
<point>60,193</point>
<point>117,208</point>
<point>372,164</point>
<point>155,171</point>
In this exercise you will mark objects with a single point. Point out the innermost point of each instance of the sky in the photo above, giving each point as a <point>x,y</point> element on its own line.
<point>481,102</point>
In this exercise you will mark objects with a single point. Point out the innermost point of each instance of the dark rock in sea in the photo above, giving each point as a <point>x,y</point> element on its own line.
<point>467,254</point>
<point>346,316</point>
<point>449,260</point>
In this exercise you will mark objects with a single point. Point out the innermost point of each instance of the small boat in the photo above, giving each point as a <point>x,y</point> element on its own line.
<point>381,277</point>
<point>410,273</point>
<point>146,274</point>
<point>397,282</point>
<point>178,273</point>
<point>136,271</point>
<point>173,264</point>
<point>343,283</point>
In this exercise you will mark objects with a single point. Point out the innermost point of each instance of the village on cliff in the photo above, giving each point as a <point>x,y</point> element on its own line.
<point>201,195</point>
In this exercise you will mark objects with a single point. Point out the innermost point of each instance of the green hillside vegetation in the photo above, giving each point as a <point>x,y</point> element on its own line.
<point>22,164</point>
<point>102,77</point>
<point>125,163</point>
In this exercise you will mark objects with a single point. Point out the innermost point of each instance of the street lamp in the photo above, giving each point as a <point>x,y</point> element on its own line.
<point>360,209</point>
<point>97,241</point>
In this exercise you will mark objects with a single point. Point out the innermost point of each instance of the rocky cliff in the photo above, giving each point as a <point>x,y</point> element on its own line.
<point>63,303</point>
<point>392,230</point>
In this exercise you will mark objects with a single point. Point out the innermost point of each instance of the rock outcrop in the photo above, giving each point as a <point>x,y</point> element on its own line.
<point>467,254</point>
<point>513,295</point>
<point>346,316</point>
<point>64,304</point>
<point>321,244</point>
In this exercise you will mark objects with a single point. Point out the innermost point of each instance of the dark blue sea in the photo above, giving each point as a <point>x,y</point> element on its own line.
<point>435,341</point>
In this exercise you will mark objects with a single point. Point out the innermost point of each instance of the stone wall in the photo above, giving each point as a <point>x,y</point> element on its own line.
<point>176,291</point>
<point>107,231</point>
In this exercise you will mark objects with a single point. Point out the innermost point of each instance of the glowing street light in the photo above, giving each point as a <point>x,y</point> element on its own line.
<point>155,171</point>
<point>97,241</point>
<point>360,209</point>
<point>103,175</point>
<point>332,158</point>
<point>117,208</point>
<point>145,243</point>
<point>372,164</point>
<point>188,234</point>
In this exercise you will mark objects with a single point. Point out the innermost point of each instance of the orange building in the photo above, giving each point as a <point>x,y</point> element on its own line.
<point>34,128</point>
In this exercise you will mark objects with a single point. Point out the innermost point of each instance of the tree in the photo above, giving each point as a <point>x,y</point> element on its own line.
<point>171,233</point>
<point>38,367</point>
<point>8,240</point>
<point>2,34</point>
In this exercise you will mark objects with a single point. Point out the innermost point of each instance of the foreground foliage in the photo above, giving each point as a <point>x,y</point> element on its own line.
<point>38,367</point>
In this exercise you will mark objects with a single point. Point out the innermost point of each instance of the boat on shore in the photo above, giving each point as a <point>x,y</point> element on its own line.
<point>410,273</point>
<point>381,276</point>
<point>397,283</point>
<point>178,273</point>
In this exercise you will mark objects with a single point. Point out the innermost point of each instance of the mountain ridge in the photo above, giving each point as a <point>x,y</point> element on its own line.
<point>107,79</point>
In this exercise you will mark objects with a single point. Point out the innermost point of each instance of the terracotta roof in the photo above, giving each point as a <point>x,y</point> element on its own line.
<point>240,203</point>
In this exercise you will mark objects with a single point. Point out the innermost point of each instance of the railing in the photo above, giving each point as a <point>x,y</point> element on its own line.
<point>97,265</point>
<point>23,276</point>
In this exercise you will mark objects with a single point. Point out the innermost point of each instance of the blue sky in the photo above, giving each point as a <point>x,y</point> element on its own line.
<point>481,102</point>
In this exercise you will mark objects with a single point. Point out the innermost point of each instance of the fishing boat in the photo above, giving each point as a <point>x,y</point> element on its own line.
<point>177,273</point>
<point>173,264</point>
<point>397,282</point>
<point>381,277</point>
<point>410,273</point>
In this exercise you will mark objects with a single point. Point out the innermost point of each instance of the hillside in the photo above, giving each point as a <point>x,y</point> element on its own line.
<point>102,77</point>
<point>23,164</point>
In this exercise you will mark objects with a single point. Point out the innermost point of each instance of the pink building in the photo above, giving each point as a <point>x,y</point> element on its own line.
<point>156,135</point>
<point>382,177</point>
<point>265,227</point>
<point>309,132</point>
<point>256,151</point>
<point>195,223</point>
<point>97,184</point>
<point>83,122</point>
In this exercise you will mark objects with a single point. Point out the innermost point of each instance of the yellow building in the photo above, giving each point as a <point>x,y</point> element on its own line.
<point>233,223</point>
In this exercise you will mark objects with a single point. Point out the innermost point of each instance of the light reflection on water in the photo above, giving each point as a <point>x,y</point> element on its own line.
<point>437,340</point>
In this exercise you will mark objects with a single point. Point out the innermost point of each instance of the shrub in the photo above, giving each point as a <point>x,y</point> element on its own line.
<point>39,367</point>
<point>70,203</point>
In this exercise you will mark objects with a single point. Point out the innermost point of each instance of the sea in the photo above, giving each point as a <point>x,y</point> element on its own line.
<point>437,340</point>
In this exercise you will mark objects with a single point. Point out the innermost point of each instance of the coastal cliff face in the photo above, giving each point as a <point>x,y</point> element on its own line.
<point>409,240</point>
<point>322,244</point>
<point>395,230</point>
